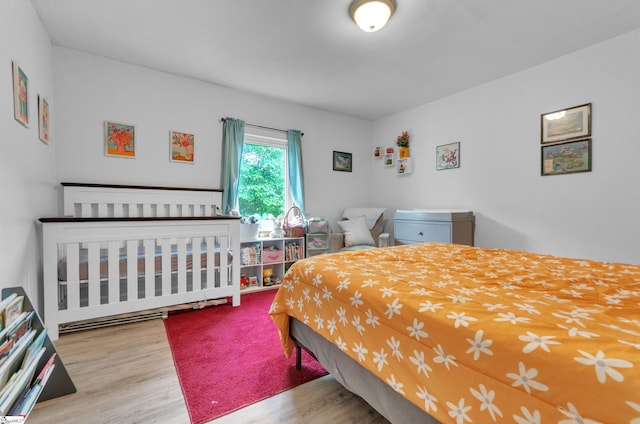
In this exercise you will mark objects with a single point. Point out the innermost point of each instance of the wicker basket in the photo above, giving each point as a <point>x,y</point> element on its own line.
<point>293,225</point>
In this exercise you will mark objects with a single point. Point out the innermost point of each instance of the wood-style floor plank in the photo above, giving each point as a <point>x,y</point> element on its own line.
<point>125,374</point>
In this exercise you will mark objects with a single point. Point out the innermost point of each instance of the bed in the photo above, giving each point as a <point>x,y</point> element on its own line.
<point>463,334</point>
<point>120,251</point>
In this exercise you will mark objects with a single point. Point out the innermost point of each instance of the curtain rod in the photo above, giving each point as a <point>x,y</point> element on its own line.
<point>263,127</point>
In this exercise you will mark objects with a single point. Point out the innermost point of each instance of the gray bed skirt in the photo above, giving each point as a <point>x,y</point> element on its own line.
<point>358,379</point>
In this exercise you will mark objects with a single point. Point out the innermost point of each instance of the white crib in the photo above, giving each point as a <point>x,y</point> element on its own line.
<point>127,249</point>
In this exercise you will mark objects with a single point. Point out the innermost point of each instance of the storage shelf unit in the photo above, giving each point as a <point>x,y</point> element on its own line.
<point>445,226</point>
<point>264,254</point>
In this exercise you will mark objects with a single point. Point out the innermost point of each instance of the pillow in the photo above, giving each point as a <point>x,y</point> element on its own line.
<point>356,232</point>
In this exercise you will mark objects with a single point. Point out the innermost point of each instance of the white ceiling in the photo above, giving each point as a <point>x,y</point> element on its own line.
<point>310,52</point>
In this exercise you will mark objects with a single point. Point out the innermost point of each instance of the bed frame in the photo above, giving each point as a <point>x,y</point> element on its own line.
<point>128,249</point>
<point>355,377</point>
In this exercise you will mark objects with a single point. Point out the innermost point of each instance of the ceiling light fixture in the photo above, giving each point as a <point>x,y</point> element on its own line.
<point>371,15</point>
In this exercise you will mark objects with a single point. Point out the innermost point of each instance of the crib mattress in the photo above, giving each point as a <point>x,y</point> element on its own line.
<point>122,263</point>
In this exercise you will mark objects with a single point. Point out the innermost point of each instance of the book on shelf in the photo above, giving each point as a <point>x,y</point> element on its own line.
<point>12,309</point>
<point>24,402</point>
<point>19,385</point>
<point>14,361</point>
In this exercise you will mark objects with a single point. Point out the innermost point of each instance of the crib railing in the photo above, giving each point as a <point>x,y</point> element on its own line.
<point>100,267</point>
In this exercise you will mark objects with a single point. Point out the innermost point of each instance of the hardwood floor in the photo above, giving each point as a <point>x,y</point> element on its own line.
<point>125,374</point>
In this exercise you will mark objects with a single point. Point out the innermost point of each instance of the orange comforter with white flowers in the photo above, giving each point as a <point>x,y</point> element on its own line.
<point>479,335</point>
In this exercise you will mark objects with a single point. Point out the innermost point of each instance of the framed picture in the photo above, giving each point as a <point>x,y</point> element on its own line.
<point>566,124</point>
<point>181,147</point>
<point>448,156</point>
<point>566,158</point>
<point>20,95</point>
<point>342,161</point>
<point>119,139</point>
<point>43,119</point>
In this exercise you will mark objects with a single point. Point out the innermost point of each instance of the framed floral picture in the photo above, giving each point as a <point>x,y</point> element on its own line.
<point>20,95</point>
<point>43,119</point>
<point>448,156</point>
<point>182,147</point>
<point>119,139</point>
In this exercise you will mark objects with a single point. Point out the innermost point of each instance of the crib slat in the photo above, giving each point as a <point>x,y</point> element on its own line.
<point>224,269</point>
<point>133,210</point>
<point>173,209</point>
<point>211,262</point>
<point>207,210</point>
<point>132,270</point>
<point>93,258</point>
<point>166,266</point>
<point>85,210</point>
<point>149,269</point>
<point>196,260</point>
<point>182,265</point>
<point>146,210</point>
<point>113,260</point>
<point>118,210</point>
<point>103,210</point>
<point>73,275</point>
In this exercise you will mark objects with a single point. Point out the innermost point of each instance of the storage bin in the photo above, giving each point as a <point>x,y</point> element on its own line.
<point>272,256</point>
<point>317,225</point>
<point>249,231</point>
<point>317,241</point>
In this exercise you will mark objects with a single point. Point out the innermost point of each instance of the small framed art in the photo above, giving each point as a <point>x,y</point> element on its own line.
<point>20,95</point>
<point>566,124</point>
<point>43,119</point>
<point>342,161</point>
<point>181,147</point>
<point>119,139</point>
<point>448,156</point>
<point>566,158</point>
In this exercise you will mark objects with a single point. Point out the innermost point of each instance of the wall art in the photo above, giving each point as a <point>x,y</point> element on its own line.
<point>448,156</point>
<point>566,124</point>
<point>20,95</point>
<point>342,161</point>
<point>119,139</point>
<point>181,147</point>
<point>566,158</point>
<point>43,120</point>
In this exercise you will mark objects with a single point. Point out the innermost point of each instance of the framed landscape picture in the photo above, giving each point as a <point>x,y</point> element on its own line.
<point>181,147</point>
<point>448,156</point>
<point>566,124</point>
<point>20,95</point>
<point>566,158</point>
<point>342,161</point>
<point>119,139</point>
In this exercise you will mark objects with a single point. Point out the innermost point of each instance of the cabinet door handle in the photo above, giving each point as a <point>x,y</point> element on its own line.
<point>421,233</point>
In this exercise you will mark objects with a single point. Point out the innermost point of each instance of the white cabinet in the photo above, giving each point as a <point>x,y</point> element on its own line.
<point>445,226</point>
<point>263,262</point>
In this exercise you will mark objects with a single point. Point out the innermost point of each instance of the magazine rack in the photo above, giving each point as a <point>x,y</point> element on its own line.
<point>59,384</point>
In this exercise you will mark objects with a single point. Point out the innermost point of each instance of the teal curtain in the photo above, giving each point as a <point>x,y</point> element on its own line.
<point>232,141</point>
<point>294,155</point>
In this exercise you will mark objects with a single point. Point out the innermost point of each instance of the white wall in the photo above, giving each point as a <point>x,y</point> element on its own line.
<point>592,215</point>
<point>27,165</point>
<point>91,89</point>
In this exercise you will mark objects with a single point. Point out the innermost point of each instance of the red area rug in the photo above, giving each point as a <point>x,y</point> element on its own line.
<point>228,358</point>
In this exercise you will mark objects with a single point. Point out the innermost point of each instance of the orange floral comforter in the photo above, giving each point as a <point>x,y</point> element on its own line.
<point>479,335</point>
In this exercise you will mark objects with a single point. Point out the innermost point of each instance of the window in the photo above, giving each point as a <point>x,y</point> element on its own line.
<point>263,189</point>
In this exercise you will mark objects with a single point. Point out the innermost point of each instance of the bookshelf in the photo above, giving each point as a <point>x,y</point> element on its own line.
<point>59,382</point>
<point>267,259</point>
